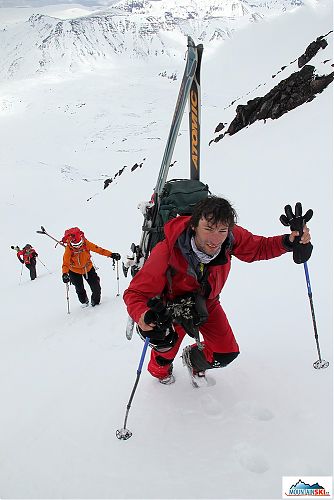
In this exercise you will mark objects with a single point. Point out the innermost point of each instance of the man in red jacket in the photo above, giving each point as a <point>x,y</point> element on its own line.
<point>195,258</point>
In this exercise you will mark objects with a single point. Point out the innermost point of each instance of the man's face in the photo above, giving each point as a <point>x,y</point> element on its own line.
<point>210,237</point>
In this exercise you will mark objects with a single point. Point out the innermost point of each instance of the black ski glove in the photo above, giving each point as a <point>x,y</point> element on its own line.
<point>296,221</point>
<point>115,256</point>
<point>66,278</point>
<point>163,336</point>
<point>159,315</point>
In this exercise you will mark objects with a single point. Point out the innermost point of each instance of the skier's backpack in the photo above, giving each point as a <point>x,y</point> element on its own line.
<point>72,235</point>
<point>178,197</point>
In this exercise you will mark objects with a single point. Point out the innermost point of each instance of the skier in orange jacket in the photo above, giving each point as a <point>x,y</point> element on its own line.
<point>77,264</point>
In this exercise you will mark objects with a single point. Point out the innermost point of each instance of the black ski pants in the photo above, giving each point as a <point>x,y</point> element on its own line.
<point>93,281</point>
<point>32,269</point>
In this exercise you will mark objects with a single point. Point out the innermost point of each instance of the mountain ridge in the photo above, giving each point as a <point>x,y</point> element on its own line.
<point>135,29</point>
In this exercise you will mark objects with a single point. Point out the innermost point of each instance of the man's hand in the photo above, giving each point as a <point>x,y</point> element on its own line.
<point>144,326</point>
<point>305,238</point>
<point>300,234</point>
<point>115,256</point>
<point>296,220</point>
<point>66,278</point>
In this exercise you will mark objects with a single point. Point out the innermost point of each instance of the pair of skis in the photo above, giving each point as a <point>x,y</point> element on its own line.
<point>43,231</point>
<point>190,91</point>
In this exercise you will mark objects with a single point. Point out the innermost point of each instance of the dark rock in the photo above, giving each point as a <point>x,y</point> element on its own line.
<point>106,183</point>
<point>219,127</point>
<point>299,88</point>
<point>311,51</point>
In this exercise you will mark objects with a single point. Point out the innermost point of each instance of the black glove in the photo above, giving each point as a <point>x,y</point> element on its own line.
<point>22,261</point>
<point>159,315</point>
<point>163,336</point>
<point>115,256</point>
<point>296,221</point>
<point>66,278</point>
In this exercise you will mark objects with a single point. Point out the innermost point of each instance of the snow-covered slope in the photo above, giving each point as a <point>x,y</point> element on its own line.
<point>137,29</point>
<point>65,379</point>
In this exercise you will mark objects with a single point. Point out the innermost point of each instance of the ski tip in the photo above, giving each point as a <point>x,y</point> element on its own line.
<point>190,42</point>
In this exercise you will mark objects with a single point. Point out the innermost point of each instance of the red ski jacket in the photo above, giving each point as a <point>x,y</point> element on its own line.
<point>167,272</point>
<point>27,255</point>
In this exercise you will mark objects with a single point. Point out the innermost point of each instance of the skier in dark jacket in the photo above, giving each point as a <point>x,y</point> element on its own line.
<point>195,258</point>
<point>27,256</point>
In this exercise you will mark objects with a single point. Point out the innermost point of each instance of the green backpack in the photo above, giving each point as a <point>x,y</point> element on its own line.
<point>178,197</point>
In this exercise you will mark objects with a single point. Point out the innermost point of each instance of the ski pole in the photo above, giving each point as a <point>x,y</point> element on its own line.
<point>39,260</point>
<point>21,274</point>
<point>68,298</point>
<point>320,363</point>
<point>115,262</point>
<point>117,275</point>
<point>125,433</point>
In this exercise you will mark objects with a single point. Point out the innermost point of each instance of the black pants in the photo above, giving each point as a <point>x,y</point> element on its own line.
<point>32,269</point>
<point>93,281</point>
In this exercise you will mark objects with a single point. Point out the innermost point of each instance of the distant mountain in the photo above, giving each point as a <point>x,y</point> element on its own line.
<point>135,28</point>
<point>300,485</point>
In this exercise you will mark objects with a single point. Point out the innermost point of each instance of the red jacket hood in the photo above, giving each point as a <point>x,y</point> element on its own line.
<point>174,228</point>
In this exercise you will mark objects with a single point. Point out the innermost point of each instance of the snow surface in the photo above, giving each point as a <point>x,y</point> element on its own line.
<point>66,378</point>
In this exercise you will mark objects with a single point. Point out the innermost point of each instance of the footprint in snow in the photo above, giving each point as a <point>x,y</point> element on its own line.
<point>211,406</point>
<point>254,411</point>
<point>251,459</point>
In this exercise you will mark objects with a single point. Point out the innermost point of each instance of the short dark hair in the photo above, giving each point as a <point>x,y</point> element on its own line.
<point>215,210</point>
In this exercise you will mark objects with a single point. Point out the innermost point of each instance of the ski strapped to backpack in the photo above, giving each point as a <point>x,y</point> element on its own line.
<point>43,231</point>
<point>178,196</point>
<point>195,118</point>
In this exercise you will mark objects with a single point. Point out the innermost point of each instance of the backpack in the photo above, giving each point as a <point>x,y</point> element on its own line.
<point>72,234</point>
<point>178,197</point>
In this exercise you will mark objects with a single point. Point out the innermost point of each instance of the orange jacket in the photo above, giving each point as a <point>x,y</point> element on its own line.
<point>79,260</point>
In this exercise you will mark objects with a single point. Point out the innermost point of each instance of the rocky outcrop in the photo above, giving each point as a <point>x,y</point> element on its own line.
<point>299,88</point>
<point>312,50</point>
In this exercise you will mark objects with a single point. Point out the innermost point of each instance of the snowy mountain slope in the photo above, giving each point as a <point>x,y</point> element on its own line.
<point>45,43</point>
<point>66,379</point>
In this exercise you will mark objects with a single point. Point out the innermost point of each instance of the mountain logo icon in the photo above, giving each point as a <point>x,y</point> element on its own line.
<point>306,487</point>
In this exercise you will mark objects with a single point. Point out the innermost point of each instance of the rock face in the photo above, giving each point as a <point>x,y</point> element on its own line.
<point>312,50</point>
<point>300,87</point>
